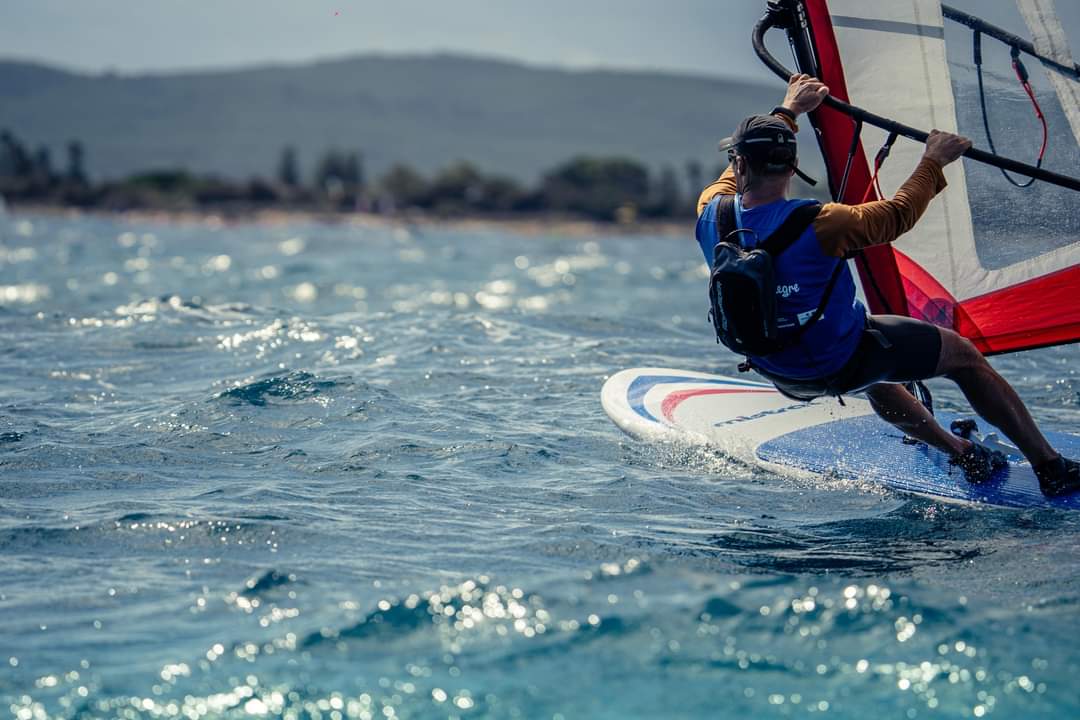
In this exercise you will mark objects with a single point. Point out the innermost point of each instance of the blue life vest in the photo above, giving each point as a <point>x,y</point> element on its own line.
<point>802,272</point>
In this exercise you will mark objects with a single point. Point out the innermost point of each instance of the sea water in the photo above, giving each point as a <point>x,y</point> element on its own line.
<point>359,471</point>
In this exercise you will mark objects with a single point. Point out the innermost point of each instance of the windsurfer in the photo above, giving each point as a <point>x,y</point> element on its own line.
<point>848,350</point>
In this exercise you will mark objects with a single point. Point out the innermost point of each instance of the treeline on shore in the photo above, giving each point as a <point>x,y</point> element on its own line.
<point>597,188</point>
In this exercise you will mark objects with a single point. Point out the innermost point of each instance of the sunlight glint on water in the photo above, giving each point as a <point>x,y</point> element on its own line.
<point>362,472</point>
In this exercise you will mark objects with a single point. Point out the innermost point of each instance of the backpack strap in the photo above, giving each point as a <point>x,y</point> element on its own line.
<point>794,225</point>
<point>841,263</point>
<point>725,220</point>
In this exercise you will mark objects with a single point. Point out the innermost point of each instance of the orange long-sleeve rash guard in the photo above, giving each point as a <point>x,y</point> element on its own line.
<point>843,229</point>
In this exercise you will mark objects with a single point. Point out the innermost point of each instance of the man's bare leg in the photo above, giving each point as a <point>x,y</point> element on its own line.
<point>991,396</point>
<point>895,405</point>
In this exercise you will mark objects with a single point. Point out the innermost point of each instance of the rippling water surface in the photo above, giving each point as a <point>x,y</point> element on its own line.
<point>362,472</point>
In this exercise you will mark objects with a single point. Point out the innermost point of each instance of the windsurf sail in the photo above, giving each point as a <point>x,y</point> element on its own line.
<point>997,255</point>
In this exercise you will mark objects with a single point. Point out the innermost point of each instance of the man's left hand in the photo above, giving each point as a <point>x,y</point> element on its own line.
<point>804,93</point>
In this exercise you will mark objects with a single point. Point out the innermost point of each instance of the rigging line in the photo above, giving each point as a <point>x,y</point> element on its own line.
<point>867,271</point>
<point>879,160</point>
<point>1004,36</point>
<point>916,387</point>
<point>850,159</point>
<point>777,17</point>
<point>853,149</point>
<point>860,258</point>
<point>1022,76</point>
<point>860,255</point>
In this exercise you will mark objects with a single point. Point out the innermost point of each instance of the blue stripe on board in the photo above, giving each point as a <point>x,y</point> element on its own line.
<point>867,449</point>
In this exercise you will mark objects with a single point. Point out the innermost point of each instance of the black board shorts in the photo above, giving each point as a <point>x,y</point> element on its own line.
<point>892,349</point>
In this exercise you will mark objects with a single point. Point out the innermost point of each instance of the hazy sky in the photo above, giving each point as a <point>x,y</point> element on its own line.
<point>709,36</point>
<point>133,35</point>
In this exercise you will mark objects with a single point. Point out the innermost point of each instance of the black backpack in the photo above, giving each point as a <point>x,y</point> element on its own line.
<point>742,287</point>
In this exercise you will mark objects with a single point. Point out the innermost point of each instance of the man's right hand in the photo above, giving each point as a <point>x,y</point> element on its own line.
<point>804,93</point>
<point>944,148</point>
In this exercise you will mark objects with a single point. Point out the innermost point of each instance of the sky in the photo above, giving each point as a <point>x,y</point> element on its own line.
<point>131,36</point>
<point>141,35</point>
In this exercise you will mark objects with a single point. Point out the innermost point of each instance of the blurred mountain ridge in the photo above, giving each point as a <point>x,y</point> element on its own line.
<point>426,111</point>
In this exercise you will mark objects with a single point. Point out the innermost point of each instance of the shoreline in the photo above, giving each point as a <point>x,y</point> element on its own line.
<point>529,225</point>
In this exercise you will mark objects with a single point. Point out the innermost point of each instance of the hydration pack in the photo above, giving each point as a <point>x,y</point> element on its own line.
<point>742,286</point>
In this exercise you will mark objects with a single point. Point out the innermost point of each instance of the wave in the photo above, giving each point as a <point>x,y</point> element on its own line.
<point>191,309</point>
<point>296,386</point>
<point>139,532</point>
<point>269,580</point>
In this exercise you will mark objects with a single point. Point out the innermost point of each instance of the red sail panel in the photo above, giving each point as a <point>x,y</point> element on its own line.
<point>1037,313</point>
<point>1007,320</point>
<point>927,299</point>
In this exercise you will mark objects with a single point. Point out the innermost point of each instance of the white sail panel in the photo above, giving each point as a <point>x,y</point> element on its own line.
<point>897,64</point>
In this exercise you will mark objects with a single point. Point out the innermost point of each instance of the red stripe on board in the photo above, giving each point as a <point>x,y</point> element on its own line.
<point>675,399</point>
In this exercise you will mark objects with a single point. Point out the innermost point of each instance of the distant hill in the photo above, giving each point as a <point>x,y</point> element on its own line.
<point>425,111</point>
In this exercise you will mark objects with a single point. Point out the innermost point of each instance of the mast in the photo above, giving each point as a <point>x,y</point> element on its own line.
<point>809,32</point>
